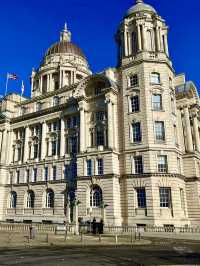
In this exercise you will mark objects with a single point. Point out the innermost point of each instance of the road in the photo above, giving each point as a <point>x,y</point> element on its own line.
<point>176,254</point>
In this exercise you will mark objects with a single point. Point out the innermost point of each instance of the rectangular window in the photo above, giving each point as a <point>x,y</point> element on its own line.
<point>137,136</point>
<point>162,164</point>
<point>100,167</point>
<point>159,130</point>
<point>157,102</point>
<point>138,164</point>
<point>100,137</point>
<point>55,125</point>
<point>54,173</point>
<point>46,174</point>
<point>35,151</point>
<point>141,197</point>
<point>165,197</point>
<point>100,116</point>
<point>135,104</point>
<point>27,175</point>
<point>133,80</point>
<point>54,147</point>
<point>89,167</point>
<point>155,78</point>
<point>74,170</point>
<point>34,175</point>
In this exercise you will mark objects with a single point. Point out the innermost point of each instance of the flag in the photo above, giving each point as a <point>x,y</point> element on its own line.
<point>12,76</point>
<point>22,87</point>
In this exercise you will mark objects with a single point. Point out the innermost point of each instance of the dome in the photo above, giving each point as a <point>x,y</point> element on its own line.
<point>138,7</point>
<point>65,47</point>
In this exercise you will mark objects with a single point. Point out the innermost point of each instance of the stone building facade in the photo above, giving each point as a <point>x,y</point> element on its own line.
<point>122,144</point>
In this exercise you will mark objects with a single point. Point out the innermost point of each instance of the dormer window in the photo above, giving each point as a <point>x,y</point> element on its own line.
<point>133,80</point>
<point>155,78</point>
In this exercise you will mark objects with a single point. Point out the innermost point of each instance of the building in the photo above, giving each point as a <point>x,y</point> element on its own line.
<point>123,143</point>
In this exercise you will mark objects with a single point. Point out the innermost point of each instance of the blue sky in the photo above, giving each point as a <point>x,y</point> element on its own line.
<point>28,28</point>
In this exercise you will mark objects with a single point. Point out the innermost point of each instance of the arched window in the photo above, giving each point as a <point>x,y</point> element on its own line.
<point>13,200</point>
<point>134,43</point>
<point>49,198</point>
<point>95,197</point>
<point>30,199</point>
<point>150,41</point>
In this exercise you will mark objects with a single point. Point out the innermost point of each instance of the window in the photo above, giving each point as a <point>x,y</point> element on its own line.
<point>137,136</point>
<point>30,199</point>
<point>74,169</point>
<point>133,81</point>
<point>73,147</point>
<point>54,172</point>
<point>95,197</point>
<point>46,174</point>
<point>56,101</point>
<point>157,102</point>
<point>138,162</point>
<point>159,130</point>
<point>100,167</point>
<point>55,125</point>
<point>100,116</point>
<point>135,104</point>
<point>27,175</point>
<point>17,177</point>
<point>34,175</point>
<point>141,197</point>
<point>165,197</point>
<point>19,153</point>
<point>89,167</point>
<point>134,43</point>
<point>54,147</point>
<point>150,41</point>
<point>35,151</point>
<point>13,200</point>
<point>38,107</point>
<point>98,91</point>
<point>162,164</point>
<point>66,172</point>
<point>155,78</point>
<point>100,137</point>
<point>49,198</point>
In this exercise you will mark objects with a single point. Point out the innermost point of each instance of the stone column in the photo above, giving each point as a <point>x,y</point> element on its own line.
<point>144,38</point>
<point>62,138</point>
<point>1,136</point>
<point>82,126</point>
<point>26,146</point>
<point>188,130</point>
<point>4,146</point>
<point>166,45</point>
<point>115,127</point>
<point>125,41</point>
<point>43,144</point>
<point>196,133</point>
<point>139,38</point>
<point>110,124</point>
<point>10,147</point>
<point>157,39</point>
<point>41,83</point>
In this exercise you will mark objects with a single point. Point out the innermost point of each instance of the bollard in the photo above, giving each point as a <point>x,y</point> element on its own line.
<point>116,239</point>
<point>99,237</point>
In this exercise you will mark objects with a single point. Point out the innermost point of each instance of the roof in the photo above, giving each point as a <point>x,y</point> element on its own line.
<point>65,47</point>
<point>138,7</point>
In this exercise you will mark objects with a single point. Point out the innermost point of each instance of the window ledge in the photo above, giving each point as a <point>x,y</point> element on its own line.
<point>161,110</point>
<point>133,87</point>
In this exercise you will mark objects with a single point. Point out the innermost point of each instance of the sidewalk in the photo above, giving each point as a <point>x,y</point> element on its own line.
<point>179,236</point>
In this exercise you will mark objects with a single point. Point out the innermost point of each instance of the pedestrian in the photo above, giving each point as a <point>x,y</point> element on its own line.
<point>94,226</point>
<point>101,227</point>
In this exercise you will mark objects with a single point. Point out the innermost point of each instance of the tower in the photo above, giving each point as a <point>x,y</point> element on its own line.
<point>150,148</point>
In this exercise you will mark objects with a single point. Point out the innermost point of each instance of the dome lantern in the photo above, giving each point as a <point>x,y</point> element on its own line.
<point>65,35</point>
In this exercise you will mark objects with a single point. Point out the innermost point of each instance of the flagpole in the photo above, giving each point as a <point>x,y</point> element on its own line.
<point>6,85</point>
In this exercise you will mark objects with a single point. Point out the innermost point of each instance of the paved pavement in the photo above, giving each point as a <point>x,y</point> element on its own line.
<point>102,256</point>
